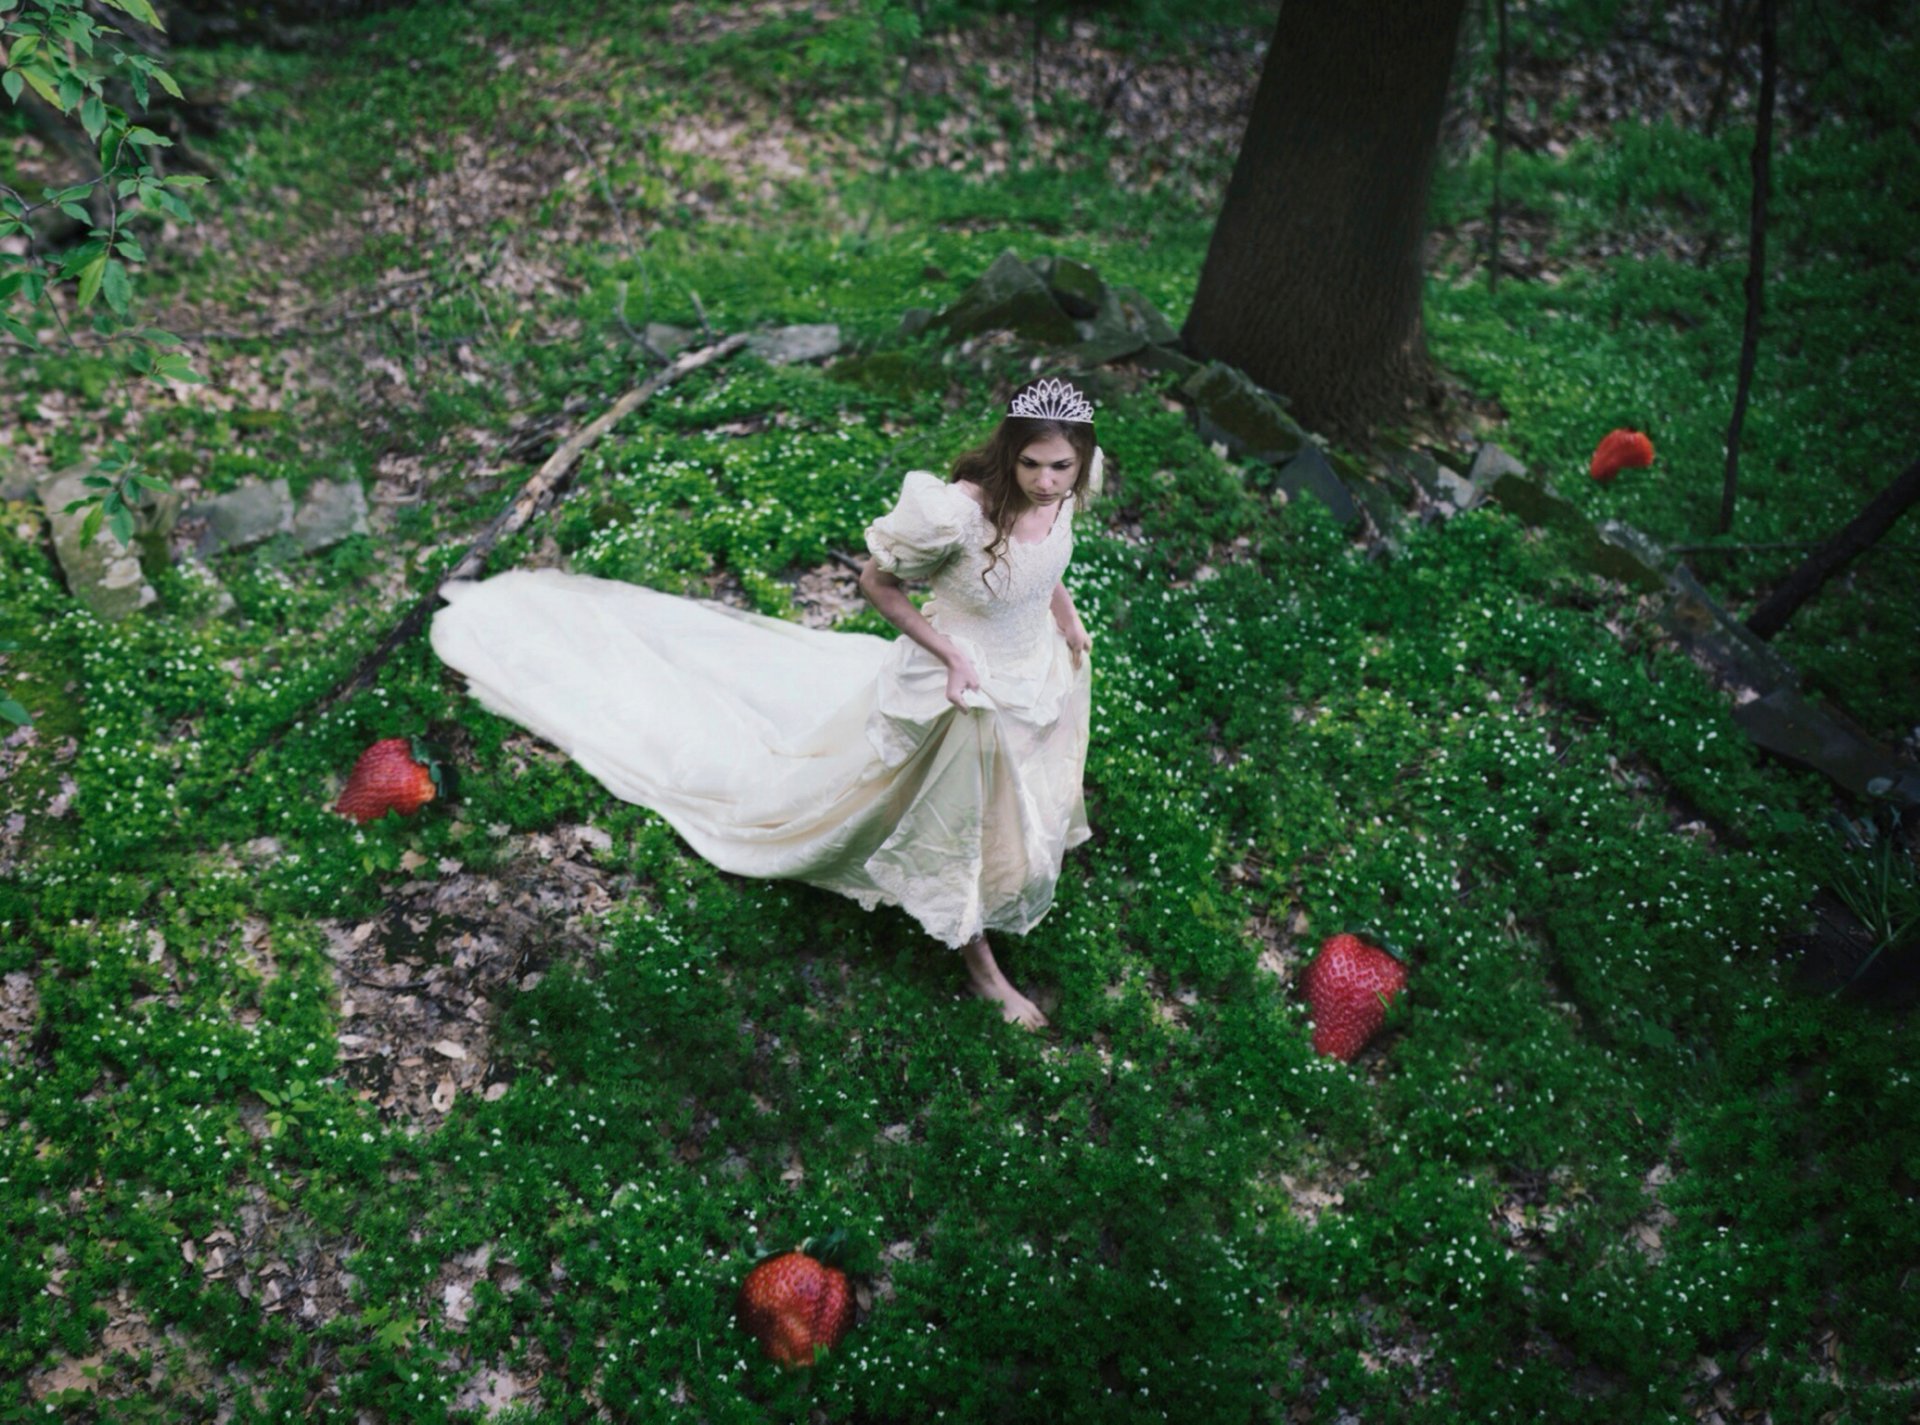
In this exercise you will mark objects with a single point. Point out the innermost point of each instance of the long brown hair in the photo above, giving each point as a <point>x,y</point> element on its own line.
<point>991,466</point>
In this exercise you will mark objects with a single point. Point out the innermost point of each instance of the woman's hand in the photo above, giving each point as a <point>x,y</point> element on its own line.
<point>961,680</point>
<point>1079,641</point>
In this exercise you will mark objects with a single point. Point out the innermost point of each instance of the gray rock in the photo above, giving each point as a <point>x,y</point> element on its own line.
<point>1534,501</point>
<point>253,512</point>
<point>783,346</point>
<point>1788,724</point>
<point>332,510</point>
<point>1308,473</point>
<point>1075,286</point>
<point>1228,407</point>
<point>1693,617</point>
<point>1122,323</point>
<point>1125,308</point>
<point>15,482</point>
<point>1379,501</point>
<point>1619,551</point>
<point>1100,350</point>
<point>1490,462</point>
<point>915,320</point>
<point>1009,296</point>
<point>1165,358</point>
<point>1406,470</point>
<point>1461,493</point>
<point>102,574</point>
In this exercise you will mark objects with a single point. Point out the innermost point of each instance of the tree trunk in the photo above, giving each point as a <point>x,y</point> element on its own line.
<point>1312,280</point>
<point>1756,263</point>
<point>1821,565</point>
<point>1499,140</point>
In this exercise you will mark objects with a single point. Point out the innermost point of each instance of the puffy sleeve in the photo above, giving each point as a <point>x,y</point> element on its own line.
<point>915,537</point>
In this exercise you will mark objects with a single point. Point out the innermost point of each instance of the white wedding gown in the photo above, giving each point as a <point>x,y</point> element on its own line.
<point>831,758</point>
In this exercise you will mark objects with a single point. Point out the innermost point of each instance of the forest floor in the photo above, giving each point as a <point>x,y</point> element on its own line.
<point>492,1106</point>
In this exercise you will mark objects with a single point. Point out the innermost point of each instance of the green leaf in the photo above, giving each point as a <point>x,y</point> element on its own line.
<point>76,212</point>
<point>140,10</point>
<point>21,332</point>
<point>90,526</point>
<point>71,91</point>
<point>42,84</point>
<point>23,49</point>
<point>13,84</point>
<point>148,137</point>
<point>117,287</point>
<point>90,278</point>
<point>93,116</point>
<point>176,367</point>
<point>166,82</point>
<point>130,249</point>
<point>184,180</point>
<point>14,712</point>
<point>122,523</point>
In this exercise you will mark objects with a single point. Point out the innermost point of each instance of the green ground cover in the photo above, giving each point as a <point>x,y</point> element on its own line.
<point>1606,1139</point>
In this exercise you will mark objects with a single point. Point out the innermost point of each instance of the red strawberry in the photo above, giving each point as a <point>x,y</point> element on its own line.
<point>395,774</point>
<point>793,1303</point>
<point>1349,984</point>
<point>1620,450</point>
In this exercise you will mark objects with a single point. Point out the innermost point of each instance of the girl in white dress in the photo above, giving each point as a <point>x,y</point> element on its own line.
<point>940,772</point>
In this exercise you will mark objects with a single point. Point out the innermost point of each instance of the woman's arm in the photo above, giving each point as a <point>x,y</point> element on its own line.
<point>1064,613</point>
<point>888,595</point>
<point>1068,617</point>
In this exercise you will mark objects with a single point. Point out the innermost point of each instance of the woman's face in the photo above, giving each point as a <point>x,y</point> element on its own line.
<point>1047,469</point>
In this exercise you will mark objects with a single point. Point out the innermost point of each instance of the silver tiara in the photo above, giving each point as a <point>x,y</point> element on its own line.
<point>1051,400</point>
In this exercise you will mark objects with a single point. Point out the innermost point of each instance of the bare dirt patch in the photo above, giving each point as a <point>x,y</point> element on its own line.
<point>422,984</point>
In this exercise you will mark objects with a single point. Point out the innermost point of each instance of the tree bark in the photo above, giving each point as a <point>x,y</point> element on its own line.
<point>1859,535</point>
<point>1312,280</point>
<point>1756,263</point>
<point>1499,140</point>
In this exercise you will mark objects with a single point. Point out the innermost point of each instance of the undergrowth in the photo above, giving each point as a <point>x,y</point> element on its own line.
<point>1607,1139</point>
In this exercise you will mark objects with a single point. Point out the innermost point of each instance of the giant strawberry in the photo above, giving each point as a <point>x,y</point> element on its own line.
<point>1620,450</point>
<point>792,1304</point>
<point>395,774</point>
<point>1349,985</point>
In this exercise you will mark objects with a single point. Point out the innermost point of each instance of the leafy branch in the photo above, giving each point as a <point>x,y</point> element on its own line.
<point>58,54</point>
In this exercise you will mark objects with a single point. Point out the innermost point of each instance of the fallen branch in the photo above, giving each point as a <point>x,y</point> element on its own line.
<point>548,481</point>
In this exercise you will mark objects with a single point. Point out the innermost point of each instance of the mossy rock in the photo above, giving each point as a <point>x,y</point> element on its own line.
<point>1075,285</point>
<point>1009,296</point>
<point>1230,408</point>
<point>1309,473</point>
<point>1619,551</point>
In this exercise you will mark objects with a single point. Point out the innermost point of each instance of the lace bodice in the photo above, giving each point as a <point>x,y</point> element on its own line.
<point>937,532</point>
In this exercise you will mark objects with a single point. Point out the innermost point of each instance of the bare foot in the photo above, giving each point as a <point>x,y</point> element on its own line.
<point>987,981</point>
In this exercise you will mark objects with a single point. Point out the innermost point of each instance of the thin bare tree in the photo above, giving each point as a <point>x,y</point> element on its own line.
<point>1761,164</point>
